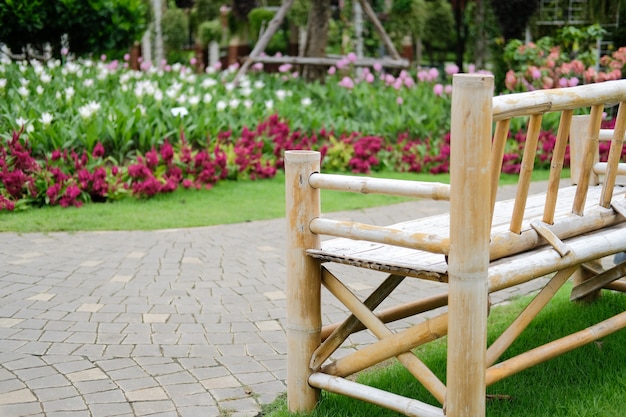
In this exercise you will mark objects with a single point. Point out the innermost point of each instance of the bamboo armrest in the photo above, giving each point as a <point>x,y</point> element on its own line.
<point>433,266</point>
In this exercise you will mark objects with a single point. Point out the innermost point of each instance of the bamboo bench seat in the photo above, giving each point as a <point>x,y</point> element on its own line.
<point>433,266</point>
<point>480,246</point>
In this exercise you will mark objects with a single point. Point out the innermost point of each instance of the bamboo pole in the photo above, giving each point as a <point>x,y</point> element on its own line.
<point>303,278</point>
<point>555,348</point>
<point>616,286</point>
<point>497,153</point>
<point>507,337</point>
<point>371,14</point>
<point>578,139</point>
<point>556,165</point>
<point>469,243</point>
<point>591,285</point>
<point>332,60</point>
<point>400,404</point>
<point>420,371</point>
<point>264,40</point>
<point>591,146</point>
<point>558,99</point>
<point>389,347</point>
<point>360,231</point>
<point>615,154</point>
<point>398,312</point>
<point>526,170</point>
<point>367,185</point>
<point>341,332</point>
<point>601,168</point>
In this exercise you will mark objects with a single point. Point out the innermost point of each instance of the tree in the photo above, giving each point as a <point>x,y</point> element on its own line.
<point>92,26</point>
<point>317,37</point>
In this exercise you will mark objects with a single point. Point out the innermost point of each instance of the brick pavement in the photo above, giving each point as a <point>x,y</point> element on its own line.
<point>185,322</point>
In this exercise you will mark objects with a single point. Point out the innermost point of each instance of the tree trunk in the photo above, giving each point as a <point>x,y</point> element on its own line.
<point>317,38</point>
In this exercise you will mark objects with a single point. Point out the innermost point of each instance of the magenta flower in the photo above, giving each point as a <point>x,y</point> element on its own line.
<point>332,70</point>
<point>438,89</point>
<point>452,69</point>
<point>98,151</point>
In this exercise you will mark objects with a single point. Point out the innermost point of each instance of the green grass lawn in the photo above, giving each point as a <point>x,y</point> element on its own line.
<point>228,202</point>
<point>589,381</point>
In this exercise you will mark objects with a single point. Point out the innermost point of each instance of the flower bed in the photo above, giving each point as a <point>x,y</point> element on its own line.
<point>86,131</point>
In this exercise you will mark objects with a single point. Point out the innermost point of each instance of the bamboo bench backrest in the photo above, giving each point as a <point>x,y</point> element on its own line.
<point>566,101</point>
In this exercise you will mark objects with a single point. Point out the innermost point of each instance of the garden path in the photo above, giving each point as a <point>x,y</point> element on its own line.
<point>184,322</point>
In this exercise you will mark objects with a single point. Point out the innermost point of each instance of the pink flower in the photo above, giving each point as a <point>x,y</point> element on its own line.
<point>126,57</point>
<point>452,69</point>
<point>332,70</point>
<point>563,82</point>
<point>573,82</point>
<point>399,100</point>
<point>377,66</point>
<point>103,57</point>
<point>438,89</point>
<point>448,89</point>
<point>471,68</point>
<point>434,73</point>
<point>342,63</point>
<point>351,57</point>
<point>284,68</point>
<point>510,80</point>
<point>347,82</point>
<point>369,78</point>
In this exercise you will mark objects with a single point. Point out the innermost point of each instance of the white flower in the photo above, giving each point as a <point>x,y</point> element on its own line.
<point>21,121</point>
<point>3,82</point>
<point>234,103</point>
<point>229,87</point>
<point>45,78</point>
<point>88,109</point>
<point>158,95</point>
<point>208,82</point>
<point>259,84</point>
<point>23,91</point>
<point>207,98</point>
<point>58,95</point>
<point>179,111</point>
<point>182,99</point>
<point>247,104</point>
<point>39,90</point>
<point>88,82</point>
<point>281,94</point>
<point>46,118</point>
<point>142,109</point>
<point>269,104</point>
<point>246,91</point>
<point>221,105</point>
<point>194,100</point>
<point>24,81</point>
<point>69,93</point>
<point>306,102</point>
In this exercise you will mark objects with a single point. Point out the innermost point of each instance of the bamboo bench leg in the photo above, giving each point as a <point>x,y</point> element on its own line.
<point>304,319</point>
<point>469,245</point>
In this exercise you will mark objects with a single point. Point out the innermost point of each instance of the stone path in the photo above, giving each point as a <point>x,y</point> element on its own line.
<point>185,322</point>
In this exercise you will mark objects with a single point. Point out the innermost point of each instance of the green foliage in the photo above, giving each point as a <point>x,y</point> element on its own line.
<point>439,29</point>
<point>299,12</point>
<point>93,27</point>
<point>258,18</point>
<point>209,31</point>
<point>207,10</point>
<point>408,17</point>
<point>175,26</point>
<point>580,43</point>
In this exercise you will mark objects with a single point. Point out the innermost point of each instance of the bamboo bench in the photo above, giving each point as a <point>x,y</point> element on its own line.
<point>482,245</point>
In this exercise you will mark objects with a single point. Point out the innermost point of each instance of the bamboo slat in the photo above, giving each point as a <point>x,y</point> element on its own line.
<point>497,153</point>
<point>555,348</point>
<point>591,146</point>
<point>544,231</point>
<point>406,406</point>
<point>366,185</point>
<point>505,340</point>
<point>526,170</point>
<point>556,165</point>
<point>578,140</point>
<point>419,370</point>
<point>615,154</point>
<point>601,168</point>
<point>331,341</point>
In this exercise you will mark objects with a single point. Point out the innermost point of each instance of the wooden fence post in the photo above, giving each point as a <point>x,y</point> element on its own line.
<point>303,278</point>
<point>469,244</point>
